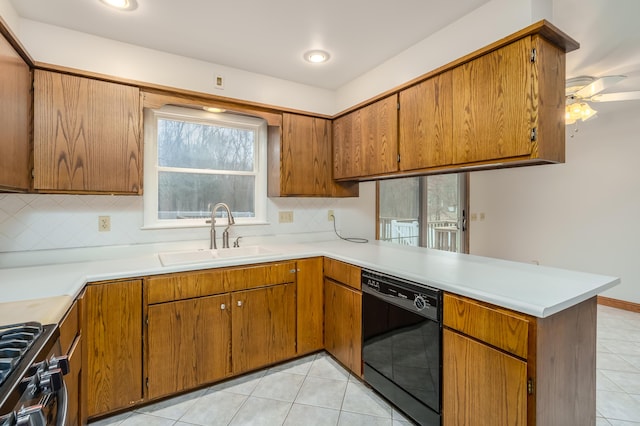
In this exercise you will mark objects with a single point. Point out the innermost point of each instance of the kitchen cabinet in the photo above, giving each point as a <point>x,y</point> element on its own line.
<point>343,314</point>
<point>112,346</point>
<point>508,104</point>
<point>15,119</point>
<point>211,324</point>
<point>484,374</point>
<point>189,344</point>
<point>263,326</point>
<point>300,161</point>
<point>425,126</point>
<point>365,141</point>
<point>86,135</point>
<point>310,305</point>
<point>71,345</point>
<point>504,367</point>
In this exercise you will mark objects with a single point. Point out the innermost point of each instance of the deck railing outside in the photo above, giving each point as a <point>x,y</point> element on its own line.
<point>441,234</point>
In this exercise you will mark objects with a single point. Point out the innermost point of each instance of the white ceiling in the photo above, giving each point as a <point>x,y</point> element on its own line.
<point>270,37</point>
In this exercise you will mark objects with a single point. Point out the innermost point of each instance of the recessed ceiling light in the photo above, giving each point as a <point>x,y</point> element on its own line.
<point>121,4</point>
<point>316,56</point>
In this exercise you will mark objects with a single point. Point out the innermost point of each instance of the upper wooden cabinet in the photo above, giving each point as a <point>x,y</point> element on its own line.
<point>426,130</point>
<point>300,162</point>
<point>509,104</point>
<point>365,141</point>
<point>500,106</point>
<point>15,119</point>
<point>86,135</point>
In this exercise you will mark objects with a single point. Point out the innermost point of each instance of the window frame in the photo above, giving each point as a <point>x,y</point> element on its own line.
<point>152,169</point>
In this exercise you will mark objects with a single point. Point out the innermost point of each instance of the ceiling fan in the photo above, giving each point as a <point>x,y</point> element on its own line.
<point>581,90</point>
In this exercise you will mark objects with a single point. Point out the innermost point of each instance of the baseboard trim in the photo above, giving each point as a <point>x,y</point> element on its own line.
<point>620,304</point>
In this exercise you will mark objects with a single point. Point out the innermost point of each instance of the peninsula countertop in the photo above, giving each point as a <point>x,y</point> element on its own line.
<point>43,292</point>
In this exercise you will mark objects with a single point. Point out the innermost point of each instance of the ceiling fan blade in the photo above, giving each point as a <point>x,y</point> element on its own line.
<point>622,96</point>
<point>598,86</point>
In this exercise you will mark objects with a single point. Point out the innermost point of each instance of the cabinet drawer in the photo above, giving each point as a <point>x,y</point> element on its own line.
<point>69,328</point>
<point>497,327</point>
<point>186,285</point>
<point>344,273</point>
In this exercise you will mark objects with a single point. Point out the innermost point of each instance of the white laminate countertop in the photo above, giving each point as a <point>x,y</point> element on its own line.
<point>535,290</point>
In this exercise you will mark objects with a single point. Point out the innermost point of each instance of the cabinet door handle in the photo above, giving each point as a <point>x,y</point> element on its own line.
<point>223,306</point>
<point>239,302</point>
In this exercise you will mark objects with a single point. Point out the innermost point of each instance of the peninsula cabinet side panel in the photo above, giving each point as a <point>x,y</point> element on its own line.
<point>86,135</point>
<point>112,377</point>
<point>566,367</point>
<point>482,386</point>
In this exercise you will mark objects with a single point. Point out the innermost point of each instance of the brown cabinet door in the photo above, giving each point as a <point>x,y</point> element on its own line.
<point>15,119</point>
<point>189,344</point>
<point>492,105</point>
<point>343,325</point>
<point>310,302</point>
<point>263,326</point>
<point>365,141</point>
<point>426,126</point>
<point>112,376</point>
<point>86,135</point>
<point>306,159</point>
<point>481,385</point>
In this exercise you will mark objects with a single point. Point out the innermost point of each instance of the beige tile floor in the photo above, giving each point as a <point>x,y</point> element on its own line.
<point>315,390</point>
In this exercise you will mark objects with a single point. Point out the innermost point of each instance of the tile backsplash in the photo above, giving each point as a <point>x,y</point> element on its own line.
<point>43,222</point>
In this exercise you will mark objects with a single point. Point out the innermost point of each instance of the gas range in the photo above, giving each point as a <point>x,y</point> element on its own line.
<point>32,390</point>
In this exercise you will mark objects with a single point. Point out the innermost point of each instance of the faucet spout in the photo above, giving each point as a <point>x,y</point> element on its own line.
<point>225,234</point>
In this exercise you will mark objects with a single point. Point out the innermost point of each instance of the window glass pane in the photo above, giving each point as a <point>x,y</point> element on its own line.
<point>399,210</point>
<point>188,195</point>
<point>423,211</point>
<point>204,146</point>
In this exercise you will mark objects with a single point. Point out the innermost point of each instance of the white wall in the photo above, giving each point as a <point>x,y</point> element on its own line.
<point>581,215</point>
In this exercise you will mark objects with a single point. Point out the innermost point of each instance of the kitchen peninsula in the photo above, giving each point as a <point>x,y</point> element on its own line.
<point>496,313</point>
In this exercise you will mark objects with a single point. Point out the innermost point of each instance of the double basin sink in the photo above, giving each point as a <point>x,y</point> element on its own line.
<point>208,256</point>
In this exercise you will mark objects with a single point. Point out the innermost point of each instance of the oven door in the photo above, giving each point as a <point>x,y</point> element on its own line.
<point>402,357</point>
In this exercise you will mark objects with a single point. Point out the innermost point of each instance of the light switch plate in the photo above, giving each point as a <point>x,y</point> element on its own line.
<point>285,216</point>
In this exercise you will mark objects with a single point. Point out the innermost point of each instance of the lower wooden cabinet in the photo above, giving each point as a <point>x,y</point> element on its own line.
<point>310,305</point>
<point>482,385</point>
<point>189,344</point>
<point>112,367</point>
<point>71,345</point>
<point>343,324</point>
<point>263,326</point>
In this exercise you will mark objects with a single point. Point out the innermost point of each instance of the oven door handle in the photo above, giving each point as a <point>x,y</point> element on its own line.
<point>62,405</point>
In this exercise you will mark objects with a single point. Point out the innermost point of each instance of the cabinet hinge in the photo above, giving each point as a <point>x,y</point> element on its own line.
<point>147,382</point>
<point>530,386</point>
<point>398,158</point>
<point>534,134</point>
<point>146,321</point>
<point>33,173</point>
<point>398,105</point>
<point>534,55</point>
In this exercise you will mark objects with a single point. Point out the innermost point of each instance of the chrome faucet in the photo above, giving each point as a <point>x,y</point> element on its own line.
<point>225,234</point>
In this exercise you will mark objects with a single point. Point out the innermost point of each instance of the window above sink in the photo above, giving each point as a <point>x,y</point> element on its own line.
<point>195,159</point>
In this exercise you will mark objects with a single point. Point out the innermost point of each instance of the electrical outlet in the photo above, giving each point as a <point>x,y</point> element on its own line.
<point>474,216</point>
<point>285,216</point>
<point>482,216</point>
<point>104,223</point>
<point>330,215</point>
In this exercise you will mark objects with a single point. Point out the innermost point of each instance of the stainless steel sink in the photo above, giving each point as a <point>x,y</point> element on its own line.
<point>206,256</point>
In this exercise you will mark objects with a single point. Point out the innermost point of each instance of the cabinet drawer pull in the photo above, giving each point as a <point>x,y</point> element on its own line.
<point>223,306</point>
<point>239,302</point>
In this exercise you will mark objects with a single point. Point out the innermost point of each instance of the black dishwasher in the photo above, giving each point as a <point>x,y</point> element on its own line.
<point>402,344</point>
